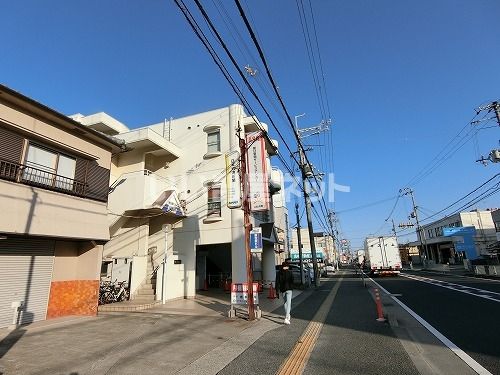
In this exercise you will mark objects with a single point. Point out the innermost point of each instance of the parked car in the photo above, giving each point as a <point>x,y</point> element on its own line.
<point>329,269</point>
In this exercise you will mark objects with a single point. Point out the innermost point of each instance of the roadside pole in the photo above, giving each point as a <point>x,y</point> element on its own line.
<point>246,223</point>
<point>299,242</point>
<point>420,231</point>
<point>307,199</point>
<point>166,228</point>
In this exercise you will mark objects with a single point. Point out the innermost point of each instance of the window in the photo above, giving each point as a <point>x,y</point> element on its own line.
<point>214,202</point>
<point>213,141</point>
<point>47,167</point>
<point>497,226</point>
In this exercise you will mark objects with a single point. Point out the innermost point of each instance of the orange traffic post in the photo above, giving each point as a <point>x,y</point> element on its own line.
<point>205,285</point>
<point>378,303</point>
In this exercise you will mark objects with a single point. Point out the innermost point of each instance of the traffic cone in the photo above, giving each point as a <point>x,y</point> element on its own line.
<point>226,286</point>
<point>205,285</point>
<point>272,292</point>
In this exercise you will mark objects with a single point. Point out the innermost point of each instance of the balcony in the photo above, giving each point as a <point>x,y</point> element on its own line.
<point>27,175</point>
<point>150,141</point>
<point>143,190</point>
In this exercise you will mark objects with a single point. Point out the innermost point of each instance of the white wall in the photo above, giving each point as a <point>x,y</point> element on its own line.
<point>190,173</point>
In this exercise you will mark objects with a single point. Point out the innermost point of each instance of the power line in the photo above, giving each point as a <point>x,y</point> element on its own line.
<point>462,198</point>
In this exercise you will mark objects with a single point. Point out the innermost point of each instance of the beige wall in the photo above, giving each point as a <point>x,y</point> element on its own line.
<point>65,261</point>
<point>89,261</point>
<point>33,211</point>
<point>51,134</point>
<point>77,261</point>
<point>130,161</point>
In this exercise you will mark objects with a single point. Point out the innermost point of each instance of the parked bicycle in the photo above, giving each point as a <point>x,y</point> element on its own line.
<point>110,292</point>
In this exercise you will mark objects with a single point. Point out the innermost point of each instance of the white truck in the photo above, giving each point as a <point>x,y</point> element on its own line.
<point>382,255</point>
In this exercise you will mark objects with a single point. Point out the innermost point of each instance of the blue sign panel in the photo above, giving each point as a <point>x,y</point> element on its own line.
<point>463,240</point>
<point>256,240</point>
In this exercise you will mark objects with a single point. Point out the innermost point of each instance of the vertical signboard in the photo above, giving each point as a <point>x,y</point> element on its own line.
<point>258,178</point>
<point>256,240</point>
<point>233,185</point>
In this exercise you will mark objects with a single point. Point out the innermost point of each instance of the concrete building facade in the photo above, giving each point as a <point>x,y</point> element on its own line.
<point>324,244</point>
<point>168,209</point>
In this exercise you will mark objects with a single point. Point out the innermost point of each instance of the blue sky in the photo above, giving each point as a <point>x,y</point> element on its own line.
<point>402,79</point>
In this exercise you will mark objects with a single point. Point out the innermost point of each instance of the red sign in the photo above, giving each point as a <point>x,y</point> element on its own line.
<point>239,293</point>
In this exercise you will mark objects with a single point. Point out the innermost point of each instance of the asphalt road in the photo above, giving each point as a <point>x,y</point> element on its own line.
<point>470,318</point>
<point>351,341</point>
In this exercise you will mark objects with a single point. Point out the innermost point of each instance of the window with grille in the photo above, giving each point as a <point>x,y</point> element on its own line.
<point>213,141</point>
<point>214,202</point>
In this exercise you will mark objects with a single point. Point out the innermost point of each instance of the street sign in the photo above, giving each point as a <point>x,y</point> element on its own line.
<point>256,240</point>
<point>239,293</point>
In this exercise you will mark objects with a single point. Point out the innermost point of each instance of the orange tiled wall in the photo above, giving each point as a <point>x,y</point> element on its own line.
<point>74,297</point>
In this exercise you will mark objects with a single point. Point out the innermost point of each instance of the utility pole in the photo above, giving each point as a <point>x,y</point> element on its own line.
<point>246,223</point>
<point>331,221</point>
<point>299,242</point>
<point>307,198</point>
<point>420,234</point>
<point>494,155</point>
<point>496,108</point>
<point>393,228</point>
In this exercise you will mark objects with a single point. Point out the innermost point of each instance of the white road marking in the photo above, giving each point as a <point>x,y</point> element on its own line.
<point>453,347</point>
<point>456,287</point>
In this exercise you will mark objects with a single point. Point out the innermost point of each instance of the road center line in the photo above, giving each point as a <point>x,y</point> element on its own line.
<point>296,361</point>
<point>453,347</point>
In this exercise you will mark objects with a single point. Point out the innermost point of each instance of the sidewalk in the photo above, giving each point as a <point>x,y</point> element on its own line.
<point>164,339</point>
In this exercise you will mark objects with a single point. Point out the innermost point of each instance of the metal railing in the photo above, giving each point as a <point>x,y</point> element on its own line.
<point>37,177</point>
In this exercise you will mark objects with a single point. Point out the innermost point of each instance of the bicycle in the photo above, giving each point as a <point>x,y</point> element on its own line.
<point>113,292</point>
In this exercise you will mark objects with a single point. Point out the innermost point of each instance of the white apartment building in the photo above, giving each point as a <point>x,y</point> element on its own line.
<point>167,200</point>
<point>446,239</point>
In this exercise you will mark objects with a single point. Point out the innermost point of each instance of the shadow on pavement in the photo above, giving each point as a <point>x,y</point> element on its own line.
<point>10,340</point>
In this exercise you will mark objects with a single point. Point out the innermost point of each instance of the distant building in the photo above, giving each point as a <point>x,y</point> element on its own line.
<point>324,244</point>
<point>465,235</point>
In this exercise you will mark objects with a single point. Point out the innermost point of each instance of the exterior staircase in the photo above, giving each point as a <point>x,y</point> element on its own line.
<point>144,297</point>
<point>147,291</point>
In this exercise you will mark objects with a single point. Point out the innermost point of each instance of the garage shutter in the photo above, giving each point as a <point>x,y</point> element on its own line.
<point>25,275</point>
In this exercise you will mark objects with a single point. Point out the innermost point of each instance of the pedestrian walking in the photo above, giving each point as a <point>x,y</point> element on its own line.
<point>284,285</point>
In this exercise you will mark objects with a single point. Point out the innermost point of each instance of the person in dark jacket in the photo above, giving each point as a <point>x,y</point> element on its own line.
<point>284,285</point>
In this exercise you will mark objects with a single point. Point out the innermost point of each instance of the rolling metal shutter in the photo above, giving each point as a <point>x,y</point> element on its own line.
<point>25,275</point>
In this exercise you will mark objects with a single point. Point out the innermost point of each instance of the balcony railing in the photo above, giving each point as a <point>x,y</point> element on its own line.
<point>37,177</point>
